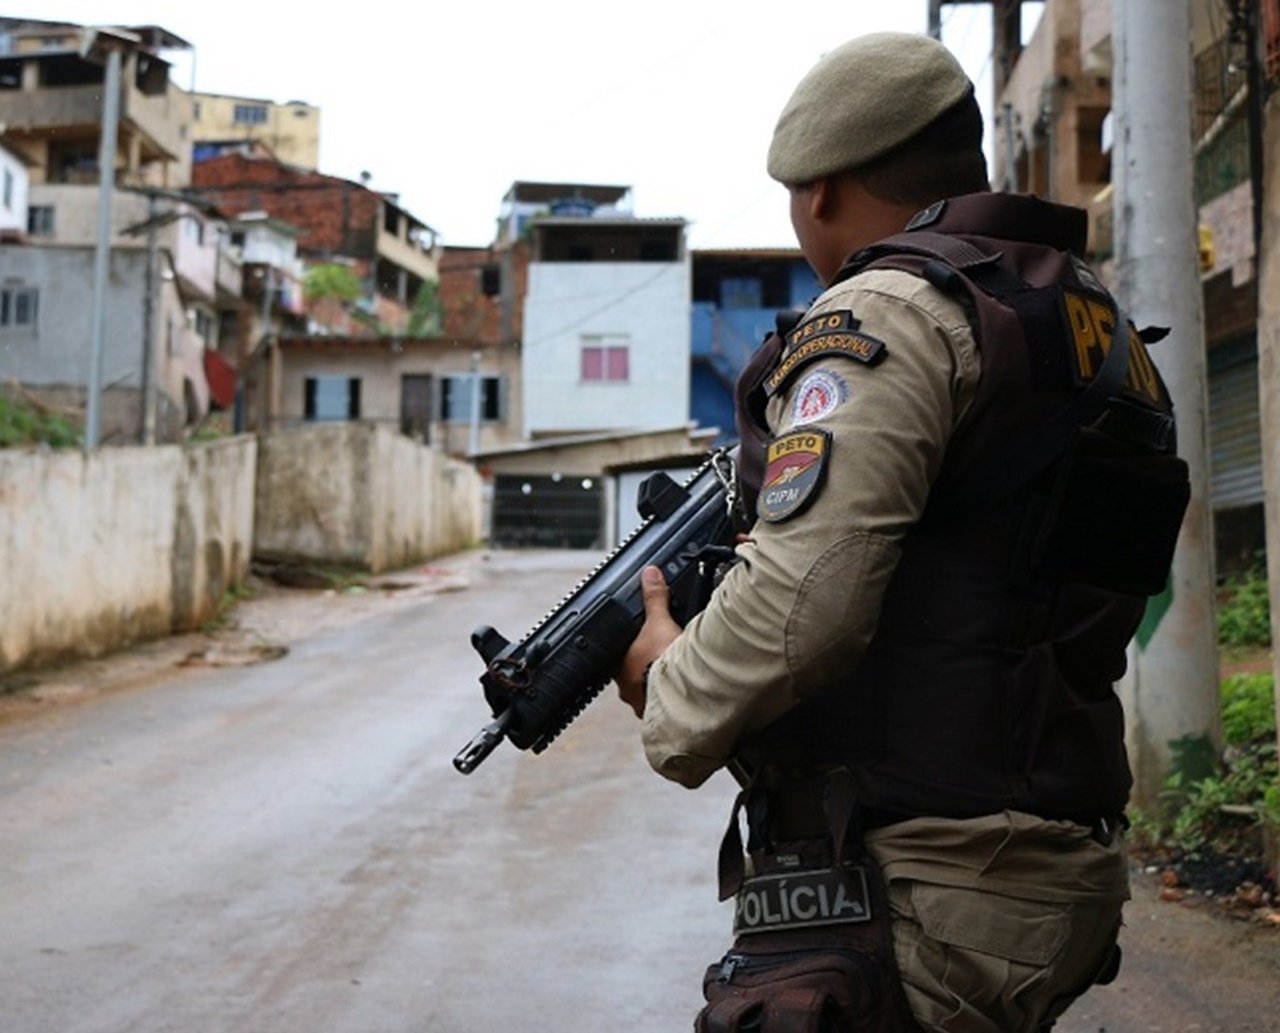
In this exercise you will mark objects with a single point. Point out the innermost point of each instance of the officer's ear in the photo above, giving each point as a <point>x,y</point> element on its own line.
<point>823,199</point>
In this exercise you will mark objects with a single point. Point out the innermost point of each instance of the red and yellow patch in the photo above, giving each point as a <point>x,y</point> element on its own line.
<point>794,467</point>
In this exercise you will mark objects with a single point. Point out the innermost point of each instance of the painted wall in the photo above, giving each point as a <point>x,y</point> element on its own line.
<point>292,130</point>
<point>648,302</point>
<point>361,495</point>
<point>121,545</point>
<point>13,174</point>
<point>380,365</point>
<point>56,352</point>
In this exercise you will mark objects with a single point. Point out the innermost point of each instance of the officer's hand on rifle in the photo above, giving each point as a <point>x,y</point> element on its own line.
<point>657,632</point>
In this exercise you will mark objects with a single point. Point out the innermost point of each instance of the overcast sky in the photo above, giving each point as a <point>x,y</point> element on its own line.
<point>447,104</point>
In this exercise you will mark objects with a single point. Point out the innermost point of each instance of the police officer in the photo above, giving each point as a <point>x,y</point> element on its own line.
<point>914,654</point>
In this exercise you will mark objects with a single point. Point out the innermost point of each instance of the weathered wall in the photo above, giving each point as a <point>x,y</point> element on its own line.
<point>55,352</point>
<point>125,544</point>
<point>361,495</point>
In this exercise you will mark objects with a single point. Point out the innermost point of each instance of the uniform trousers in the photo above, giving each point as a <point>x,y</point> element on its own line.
<point>999,922</point>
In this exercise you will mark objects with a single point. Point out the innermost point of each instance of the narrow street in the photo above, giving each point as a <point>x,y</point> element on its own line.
<point>285,848</point>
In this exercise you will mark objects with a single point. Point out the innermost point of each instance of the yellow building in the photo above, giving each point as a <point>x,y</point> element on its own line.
<point>290,131</point>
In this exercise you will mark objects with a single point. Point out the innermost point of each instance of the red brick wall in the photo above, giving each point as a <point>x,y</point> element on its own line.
<point>339,217</point>
<point>468,313</point>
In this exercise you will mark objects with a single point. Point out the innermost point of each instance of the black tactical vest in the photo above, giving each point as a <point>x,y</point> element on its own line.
<point>988,682</point>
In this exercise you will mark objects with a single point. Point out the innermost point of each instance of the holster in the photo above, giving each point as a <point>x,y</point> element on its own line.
<point>813,948</point>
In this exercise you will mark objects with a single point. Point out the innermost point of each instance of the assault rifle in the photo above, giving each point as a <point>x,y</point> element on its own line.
<point>537,687</point>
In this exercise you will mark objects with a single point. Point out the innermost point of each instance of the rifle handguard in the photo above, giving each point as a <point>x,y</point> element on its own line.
<point>537,687</point>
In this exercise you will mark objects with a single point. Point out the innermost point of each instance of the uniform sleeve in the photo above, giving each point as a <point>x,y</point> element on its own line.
<point>796,613</point>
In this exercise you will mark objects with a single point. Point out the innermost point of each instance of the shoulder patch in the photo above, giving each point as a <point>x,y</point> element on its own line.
<point>832,333</point>
<point>820,394</point>
<point>795,465</point>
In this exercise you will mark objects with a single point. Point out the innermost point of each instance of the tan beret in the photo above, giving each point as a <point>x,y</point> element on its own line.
<point>860,101</point>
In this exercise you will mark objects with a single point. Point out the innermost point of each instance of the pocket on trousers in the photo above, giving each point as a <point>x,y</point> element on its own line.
<point>1024,931</point>
<point>823,990</point>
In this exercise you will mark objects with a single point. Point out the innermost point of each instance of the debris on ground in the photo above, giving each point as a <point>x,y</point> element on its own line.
<point>1243,887</point>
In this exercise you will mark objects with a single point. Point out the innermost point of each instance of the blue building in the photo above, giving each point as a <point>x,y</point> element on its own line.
<point>736,295</point>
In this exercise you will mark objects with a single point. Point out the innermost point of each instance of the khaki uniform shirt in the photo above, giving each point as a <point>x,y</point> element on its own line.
<point>796,613</point>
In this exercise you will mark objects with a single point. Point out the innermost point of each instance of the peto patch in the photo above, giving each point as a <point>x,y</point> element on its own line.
<point>795,464</point>
<point>832,333</point>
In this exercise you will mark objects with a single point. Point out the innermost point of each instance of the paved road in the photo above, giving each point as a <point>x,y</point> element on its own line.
<point>286,848</point>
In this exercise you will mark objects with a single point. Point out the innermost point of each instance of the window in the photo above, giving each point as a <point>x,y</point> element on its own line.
<point>40,220</point>
<point>19,307</point>
<point>741,292</point>
<point>193,230</point>
<point>204,327</point>
<point>250,114</point>
<point>456,394</point>
<point>332,398</point>
<point>8,189</point>
<point>606,358</point>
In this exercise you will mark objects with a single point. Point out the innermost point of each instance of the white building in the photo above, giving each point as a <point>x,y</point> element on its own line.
<point>606,325</point>
<point>13,193</point>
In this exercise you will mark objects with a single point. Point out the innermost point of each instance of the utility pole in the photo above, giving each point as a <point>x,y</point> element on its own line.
<point>1006,35</point>
<point>1011,147</point>
<point>1006,45</point>
<point>1171,691</point>
<point>148,429</point>
<point>473,441</point>
<point>1267,206</point>
<point>102,252</point>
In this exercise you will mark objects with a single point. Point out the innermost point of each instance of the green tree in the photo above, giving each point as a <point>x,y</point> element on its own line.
<point>333,281</point>
<point>426,317</point>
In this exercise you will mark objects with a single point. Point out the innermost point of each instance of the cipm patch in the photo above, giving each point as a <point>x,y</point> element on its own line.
<point>795,464</point>
<point>798,900</point>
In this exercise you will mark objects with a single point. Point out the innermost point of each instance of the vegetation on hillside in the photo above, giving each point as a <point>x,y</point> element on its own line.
<point>22,424</point>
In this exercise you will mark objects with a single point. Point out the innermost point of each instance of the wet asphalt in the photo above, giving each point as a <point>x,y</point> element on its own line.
<point>286,848</point>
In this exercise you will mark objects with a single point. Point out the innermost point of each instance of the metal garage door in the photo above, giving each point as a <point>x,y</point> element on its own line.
<point>1235,431</point>
<point>548,512</point>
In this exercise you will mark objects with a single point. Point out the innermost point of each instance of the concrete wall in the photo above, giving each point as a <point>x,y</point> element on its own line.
<point>122,545</point>
<point>361,495</point>
<point>56,352</point>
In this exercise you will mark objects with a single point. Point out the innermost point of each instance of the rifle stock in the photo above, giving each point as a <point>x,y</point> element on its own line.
<point>536,687</point>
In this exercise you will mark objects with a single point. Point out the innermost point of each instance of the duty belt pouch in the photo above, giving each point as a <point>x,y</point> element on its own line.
<point>1113,517</point>
<point>813,953</point>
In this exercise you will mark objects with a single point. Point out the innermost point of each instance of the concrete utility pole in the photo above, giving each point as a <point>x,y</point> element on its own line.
<point>102,253</point>
<point>147,431</point>
<point>1268,207</point>
<point>1172,688</point>
<point>473,439</point>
